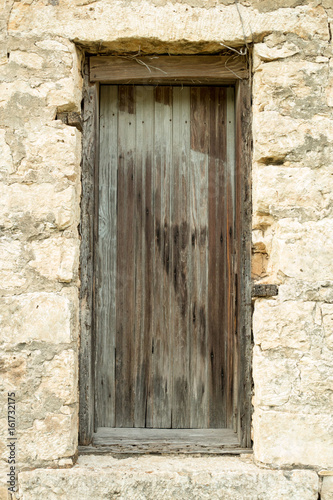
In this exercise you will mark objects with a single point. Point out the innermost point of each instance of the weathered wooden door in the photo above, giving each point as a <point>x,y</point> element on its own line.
<point>165,285</point>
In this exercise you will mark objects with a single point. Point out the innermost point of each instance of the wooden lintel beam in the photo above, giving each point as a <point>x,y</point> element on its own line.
<point>167,69</point>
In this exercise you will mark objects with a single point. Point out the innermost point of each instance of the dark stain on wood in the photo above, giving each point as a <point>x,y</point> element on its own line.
<point>126,99</point>
<point>163,95</point>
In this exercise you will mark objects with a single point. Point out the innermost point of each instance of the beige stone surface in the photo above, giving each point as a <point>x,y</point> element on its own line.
<point>49,438</point>
<point>41,47</point>
<point>296,289</point>
<point>292,139</point>
<point>55,258</point>
<point>59,379</point>
<point>39,316</point>
<point>327,312</point>
<point>293,438</point>
<point>292,381</point>
<point>83,21</point>
<point>292,358</point>
<point>303,250</point>
<point>168,477</point>
<point>327,488</point>
<point>283,324</point>
<point>11,274</point>
<point>6,159</point>
<point>53,154</point>
<point>42,202</point>
<point>282,191</point>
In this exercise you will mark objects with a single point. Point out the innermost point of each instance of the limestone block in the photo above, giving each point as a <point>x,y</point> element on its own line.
<point>274,374</point>
<point>166,21</point>
<point>49,439</point>
<point>262,52</point>
<point>327,312</point>
<point>329,88</point>
<point>40,202</point>
<point>34,64</point>
<point>11,274</point>
<point>293,438</point>
<point>8,91</point>
<point>52,45</point>
<point>283,324</point>
<point>3,478</point>
<point>293,289</point>
<point>283,191</point>
<point>62,95</point>
<point>44,378</point>
<point>13,369</point>
<point>56,258</point>
<point>42,317</point>
<point>300,76</point>
<point>184,478</point>
<point>59,378</point>
<point>56,149</point>
<point>287,136</point>
<point>327,488</point>
<point>329,93</point>
<point>303,251</point>
<point>266,53</point>
<point>26,59</point>
<point>294,139</point>
<point>6,159</point>
<point>315,384</point>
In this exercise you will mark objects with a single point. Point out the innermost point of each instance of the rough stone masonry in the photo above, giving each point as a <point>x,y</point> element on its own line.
<point>42,46</point>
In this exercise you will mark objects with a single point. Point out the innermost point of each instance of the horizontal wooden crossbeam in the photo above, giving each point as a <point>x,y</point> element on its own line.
<point>168,69</point>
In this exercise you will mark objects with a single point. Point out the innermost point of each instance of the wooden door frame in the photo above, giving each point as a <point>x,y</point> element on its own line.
<point>199,70</point>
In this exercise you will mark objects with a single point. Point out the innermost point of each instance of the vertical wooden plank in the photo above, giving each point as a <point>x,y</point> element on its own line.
<point>161,349</point>
<point>217,291</point>
<point>198,191</point>
<point>125,294</point>
<point>243,348</point>
<point>106,259</point>
<point>87,224</point>
<point>180,252</point>
<point>230,213</point>
<point>143,217</point>
<point>149,258</point>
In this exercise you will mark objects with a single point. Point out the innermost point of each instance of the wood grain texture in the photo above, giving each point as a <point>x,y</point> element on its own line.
<point>167,69</point>
<point>230,254</point>
<point>162,348</point>
<point>125,280</point>
<point>218,298</point>
<point>106,436</point>
<point>143,441</point>
<point>198,281</point>
<point>170,317</point>
<point>87,229</point>
<point>180,277</point>
<point>107,259</point>
<point>242,342</point>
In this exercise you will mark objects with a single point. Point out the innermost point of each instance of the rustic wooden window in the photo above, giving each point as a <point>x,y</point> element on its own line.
<point>165,254</point>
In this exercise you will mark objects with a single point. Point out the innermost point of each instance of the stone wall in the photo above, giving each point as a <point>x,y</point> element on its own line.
<point>42,43</point>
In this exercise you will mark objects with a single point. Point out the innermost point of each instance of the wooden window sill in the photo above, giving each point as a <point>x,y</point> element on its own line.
<point>164,441</point>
